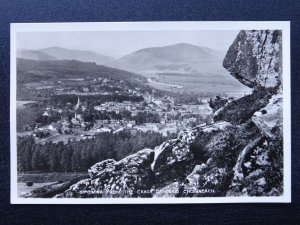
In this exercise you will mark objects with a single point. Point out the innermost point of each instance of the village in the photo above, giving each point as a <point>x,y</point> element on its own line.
<point>76,122</point>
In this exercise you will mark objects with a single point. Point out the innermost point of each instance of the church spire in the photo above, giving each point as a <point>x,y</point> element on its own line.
<point>78,103</point>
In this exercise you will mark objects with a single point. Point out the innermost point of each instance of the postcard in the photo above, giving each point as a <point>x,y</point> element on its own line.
<point>150,112</point>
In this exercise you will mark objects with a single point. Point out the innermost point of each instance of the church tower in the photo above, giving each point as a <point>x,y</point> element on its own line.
<point>78,103</point>
<point>77,107</point>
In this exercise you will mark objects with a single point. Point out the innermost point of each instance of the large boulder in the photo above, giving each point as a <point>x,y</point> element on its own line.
<point>255,58</point>
<point>100,168</point>
<point>117,179</point>
<point>173,161</point>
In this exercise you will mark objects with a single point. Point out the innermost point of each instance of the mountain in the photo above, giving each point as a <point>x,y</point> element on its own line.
<point>180,57</point>
<point>195,69</point>
<point>34,55</point>
<point>72,54</point>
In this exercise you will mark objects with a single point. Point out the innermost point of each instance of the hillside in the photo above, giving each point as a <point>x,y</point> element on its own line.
<point>63,69</point>
<point>57,53</point>
<point>34,55</point>
<point>193,68</point>
<point>42,79</point>
<point>178,57</point>
<point>73,54</point>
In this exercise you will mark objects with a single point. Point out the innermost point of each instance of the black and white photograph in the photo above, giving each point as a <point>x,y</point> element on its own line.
<point>150,112</point>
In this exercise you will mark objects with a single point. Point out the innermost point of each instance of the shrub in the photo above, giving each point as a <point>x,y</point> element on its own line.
<point>263,111</point>
<point>29,183</point>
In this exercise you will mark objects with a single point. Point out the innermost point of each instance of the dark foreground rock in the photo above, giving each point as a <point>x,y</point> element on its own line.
<point>241,153</point>
<point>218,102</point>
<point>241,110</point>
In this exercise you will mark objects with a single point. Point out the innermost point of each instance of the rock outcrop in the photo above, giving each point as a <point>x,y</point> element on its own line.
<point>241,153</point>
<point>240,110</point>
<point>117,179</point>
<point>254,58</point>
<point>218,102</point>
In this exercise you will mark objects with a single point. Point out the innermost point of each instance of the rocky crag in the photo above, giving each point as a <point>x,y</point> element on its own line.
<point>240,153</point>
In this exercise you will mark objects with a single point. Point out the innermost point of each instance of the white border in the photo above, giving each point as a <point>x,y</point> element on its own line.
<point>155,26</point>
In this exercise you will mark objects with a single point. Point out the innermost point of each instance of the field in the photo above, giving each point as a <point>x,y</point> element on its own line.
<point>22,104</point>
<point>198,83</point>
<point>23,188</point>
<point>47,177</point>
<point>57,138</point>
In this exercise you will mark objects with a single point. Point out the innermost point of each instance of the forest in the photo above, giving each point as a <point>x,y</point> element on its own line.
<point>78,156</point>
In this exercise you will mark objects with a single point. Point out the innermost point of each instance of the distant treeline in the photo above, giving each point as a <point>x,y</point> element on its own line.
<point>28,77</point>
<point>62,100</point>
<point>76,156</point>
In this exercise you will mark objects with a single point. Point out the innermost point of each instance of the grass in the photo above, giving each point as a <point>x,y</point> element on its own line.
<point>38,177</point>
<point>22,187</point>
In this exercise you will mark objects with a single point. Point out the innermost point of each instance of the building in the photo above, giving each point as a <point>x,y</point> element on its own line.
<point>46,113</point>
<point>78,111</point>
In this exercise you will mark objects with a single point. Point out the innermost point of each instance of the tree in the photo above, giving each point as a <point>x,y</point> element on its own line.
<point>126,114</point>
<point>55,158</point>
<point>25,116</point>
<point>123,148</point>
<point>24,148</point>
<point>28,156</point>
<point>88,116</point>
<point>66,158</point>
<point>36,158</point>
<point>140,118</point>
<point>76,159</point>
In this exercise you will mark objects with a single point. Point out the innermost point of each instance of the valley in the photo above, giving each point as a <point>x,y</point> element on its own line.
<point>196,83</point>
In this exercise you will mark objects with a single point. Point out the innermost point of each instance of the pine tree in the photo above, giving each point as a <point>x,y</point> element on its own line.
<point>76,159</point>
<point>66,159</point>
<point>36,158</point>
<point>28,156</point>
<point>55,158</point>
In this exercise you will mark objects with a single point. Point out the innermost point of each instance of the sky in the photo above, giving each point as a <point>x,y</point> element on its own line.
<point>120,43</point>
